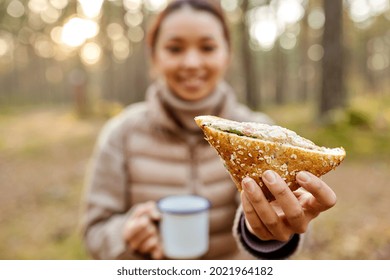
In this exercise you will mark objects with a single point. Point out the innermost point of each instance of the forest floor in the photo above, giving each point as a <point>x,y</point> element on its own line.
<point>44,155</point>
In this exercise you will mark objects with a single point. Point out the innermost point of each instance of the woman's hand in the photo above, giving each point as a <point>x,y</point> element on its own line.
<point>290,212</point>
<point>141,233</point>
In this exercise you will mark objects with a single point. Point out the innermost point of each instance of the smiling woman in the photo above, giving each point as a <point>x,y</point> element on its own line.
<point>155,149</point>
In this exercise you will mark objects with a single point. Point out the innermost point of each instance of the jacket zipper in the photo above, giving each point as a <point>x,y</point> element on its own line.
<point>193,178</point>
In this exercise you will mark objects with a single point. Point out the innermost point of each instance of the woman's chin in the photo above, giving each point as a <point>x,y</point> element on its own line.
<point>192,93</point>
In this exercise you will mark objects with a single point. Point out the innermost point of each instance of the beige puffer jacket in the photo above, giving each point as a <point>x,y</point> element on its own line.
<point>154,149</point>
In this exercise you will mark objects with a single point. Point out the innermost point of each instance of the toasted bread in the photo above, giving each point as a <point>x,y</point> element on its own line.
<point>249,149</point>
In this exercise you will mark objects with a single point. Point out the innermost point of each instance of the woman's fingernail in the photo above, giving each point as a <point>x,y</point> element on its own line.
<point>303,177</point>
<point>248,184</point>
<point>269,176</point>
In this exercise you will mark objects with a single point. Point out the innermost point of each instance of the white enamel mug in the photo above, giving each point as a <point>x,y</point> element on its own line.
<point>184,226</point>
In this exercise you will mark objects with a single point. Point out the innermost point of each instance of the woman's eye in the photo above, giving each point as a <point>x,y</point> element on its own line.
<point>208,48</point>
<point>174,49</point>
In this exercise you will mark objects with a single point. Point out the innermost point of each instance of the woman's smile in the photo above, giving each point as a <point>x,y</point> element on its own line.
<point>192,83</point>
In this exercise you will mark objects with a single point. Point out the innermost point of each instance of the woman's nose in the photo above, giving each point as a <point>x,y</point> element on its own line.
<point>192,58</point>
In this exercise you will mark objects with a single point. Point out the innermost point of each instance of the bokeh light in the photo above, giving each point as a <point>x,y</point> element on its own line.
<point>288,40</point>
<point>229,5</point>
<point>115,31</point>
<point>91,53</point>
<point>6,44</point>
<point>77,30</point>
<point>121,49</point>
<point>91,8</point>
<point>263,26</point>
<point>289,11</point>
<point>316,18</point>
<point>44,47</point>
<point>59,4</point>
<point>362,10</point>
<point>378,61</point>
<point>315,52</point>
<point>133,18</point>
<point>268,22</point>
<point>15,9</point>
<point>132,5</point>
<point>136,34</point>
<point>155,5</point>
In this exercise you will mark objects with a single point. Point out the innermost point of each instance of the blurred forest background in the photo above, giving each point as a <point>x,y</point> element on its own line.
<point>321,68</point>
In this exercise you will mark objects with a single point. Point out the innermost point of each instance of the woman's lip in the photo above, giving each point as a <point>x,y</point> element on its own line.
<point>193,83</point>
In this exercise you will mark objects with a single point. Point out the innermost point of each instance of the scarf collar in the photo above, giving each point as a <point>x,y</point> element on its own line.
<point>172,113</point>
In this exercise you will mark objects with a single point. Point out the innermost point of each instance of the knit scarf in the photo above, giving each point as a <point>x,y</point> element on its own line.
<point>177,114</point>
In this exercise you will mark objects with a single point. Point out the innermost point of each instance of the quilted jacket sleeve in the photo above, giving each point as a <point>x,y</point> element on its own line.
<point>105,199</point>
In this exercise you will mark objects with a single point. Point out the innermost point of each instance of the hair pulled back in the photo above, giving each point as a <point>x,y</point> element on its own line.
<point>199,5</point>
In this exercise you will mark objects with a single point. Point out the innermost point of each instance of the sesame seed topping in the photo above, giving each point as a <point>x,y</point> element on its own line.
<point>293,156</point>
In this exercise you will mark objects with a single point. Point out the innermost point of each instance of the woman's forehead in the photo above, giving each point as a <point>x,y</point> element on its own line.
<point>187,21</point>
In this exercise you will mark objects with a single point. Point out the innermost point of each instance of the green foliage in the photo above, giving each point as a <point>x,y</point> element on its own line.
<point>106,109</point>
<point>357,119</point>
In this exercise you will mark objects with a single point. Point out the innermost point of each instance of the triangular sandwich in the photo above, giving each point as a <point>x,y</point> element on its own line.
<point>249,149</point>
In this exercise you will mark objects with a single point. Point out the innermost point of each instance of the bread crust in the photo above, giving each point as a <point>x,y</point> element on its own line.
<point>245,156</point>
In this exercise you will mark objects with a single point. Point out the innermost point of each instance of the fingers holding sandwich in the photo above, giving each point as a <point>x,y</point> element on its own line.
<point>261,218</point>
<point>322,196</point>
<point>290,212</point>
<point>276,220</point>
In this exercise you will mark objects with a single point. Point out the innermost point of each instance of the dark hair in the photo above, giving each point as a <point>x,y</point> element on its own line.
<point>209,6</point>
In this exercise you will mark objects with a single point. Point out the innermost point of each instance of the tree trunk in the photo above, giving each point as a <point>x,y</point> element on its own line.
<point>247,63</point>
<point>280,74</point>
<point>332,94</point>
<point>305,63</point>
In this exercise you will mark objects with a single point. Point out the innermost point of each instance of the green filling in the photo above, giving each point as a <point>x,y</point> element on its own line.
<point>235,131</point>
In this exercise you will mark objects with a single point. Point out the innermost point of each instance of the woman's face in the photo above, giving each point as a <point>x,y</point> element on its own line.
<point>191,53</point>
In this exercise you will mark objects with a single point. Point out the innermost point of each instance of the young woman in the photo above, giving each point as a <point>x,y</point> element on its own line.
<point>154,149</point>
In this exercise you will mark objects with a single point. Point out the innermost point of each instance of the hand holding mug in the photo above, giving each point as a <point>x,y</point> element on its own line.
<point>141,233</point>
